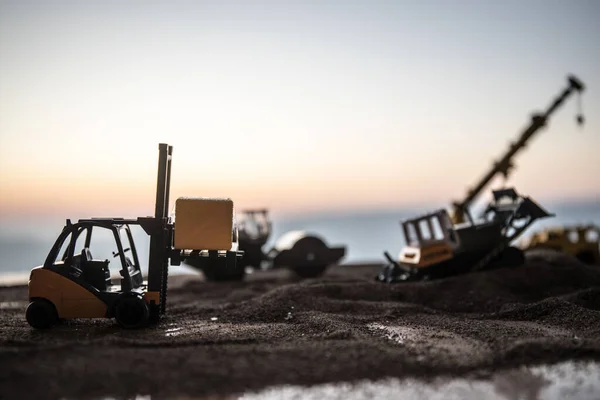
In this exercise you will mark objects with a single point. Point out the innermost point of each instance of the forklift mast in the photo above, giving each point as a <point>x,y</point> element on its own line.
<point>505,165</point>
<point>161,233</point>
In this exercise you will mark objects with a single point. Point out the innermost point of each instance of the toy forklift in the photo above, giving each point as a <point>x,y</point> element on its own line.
<point>73,284</point>
<point>306,254</point>
<point>436,248</point>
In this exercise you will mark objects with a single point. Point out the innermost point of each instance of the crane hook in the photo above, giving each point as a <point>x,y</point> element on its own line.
<point>579,118</point>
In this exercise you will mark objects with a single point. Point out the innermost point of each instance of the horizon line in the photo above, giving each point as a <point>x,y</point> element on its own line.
<point>312,212</point>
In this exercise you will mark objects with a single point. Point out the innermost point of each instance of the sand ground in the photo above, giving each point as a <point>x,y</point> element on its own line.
<point>220,340</point>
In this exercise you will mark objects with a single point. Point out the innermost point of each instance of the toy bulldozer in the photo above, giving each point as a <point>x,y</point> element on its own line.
<point>579,241</point>
<point>436,248</point>
<point>306,254</point>
<point>73,284</point>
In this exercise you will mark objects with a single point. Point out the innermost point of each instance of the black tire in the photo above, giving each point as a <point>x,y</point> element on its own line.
<point>41,314</point>
<point>310,271</point>
<point>154,314</point>
<point>131,312</point>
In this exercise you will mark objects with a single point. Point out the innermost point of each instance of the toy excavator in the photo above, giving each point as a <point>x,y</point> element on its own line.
<point>437,248</point>
<point>73,284</point>
<point>305,254</point>
<point>505,164</point>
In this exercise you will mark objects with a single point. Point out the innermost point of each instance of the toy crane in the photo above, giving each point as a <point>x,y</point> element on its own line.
<point>437,248</point>
<point>460,209</point>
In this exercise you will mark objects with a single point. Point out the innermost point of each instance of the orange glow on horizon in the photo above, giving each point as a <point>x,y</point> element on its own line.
<point>130,199</point>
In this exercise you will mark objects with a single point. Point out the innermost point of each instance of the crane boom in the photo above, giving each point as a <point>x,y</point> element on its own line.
<point>504,165</point>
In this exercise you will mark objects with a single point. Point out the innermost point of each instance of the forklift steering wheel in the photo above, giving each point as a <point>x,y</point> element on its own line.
<point>118,252</point>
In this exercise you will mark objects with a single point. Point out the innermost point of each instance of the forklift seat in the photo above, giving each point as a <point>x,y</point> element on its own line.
<point>86,255</point>
<point>95,272</point>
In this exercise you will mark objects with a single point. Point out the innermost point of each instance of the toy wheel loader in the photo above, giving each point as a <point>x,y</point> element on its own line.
<point>436,248</point>
<point>306,254</point>
<point>580,241</point>
<point>73,284</point>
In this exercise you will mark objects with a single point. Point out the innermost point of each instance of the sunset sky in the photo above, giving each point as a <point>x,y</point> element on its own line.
<point>296,106</point>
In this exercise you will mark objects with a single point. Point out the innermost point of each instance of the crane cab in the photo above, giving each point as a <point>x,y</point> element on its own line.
<point>430,239</point>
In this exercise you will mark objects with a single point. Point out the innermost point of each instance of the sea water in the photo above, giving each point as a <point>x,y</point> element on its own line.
<point>25,244</point>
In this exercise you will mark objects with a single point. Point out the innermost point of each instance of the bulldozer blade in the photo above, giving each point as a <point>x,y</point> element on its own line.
<point>529,208</point>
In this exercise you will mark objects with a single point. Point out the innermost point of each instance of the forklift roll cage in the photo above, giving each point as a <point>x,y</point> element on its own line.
<point>73,232</point>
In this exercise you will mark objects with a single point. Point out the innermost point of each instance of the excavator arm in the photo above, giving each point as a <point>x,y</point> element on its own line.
<point>505,165</point>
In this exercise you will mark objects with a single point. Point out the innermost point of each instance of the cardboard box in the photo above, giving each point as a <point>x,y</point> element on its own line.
<point>203,224</point>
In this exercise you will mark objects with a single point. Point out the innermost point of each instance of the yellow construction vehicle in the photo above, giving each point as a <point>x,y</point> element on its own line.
<point>554,238</point>
<point>73,284</point>
<point>580,241</point>
<point>505,165</point>
<point>437,248</point>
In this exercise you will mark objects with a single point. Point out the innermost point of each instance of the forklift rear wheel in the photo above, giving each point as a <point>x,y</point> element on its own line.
<point>132,312</point>
<point>311,271</point>
<point>41,314</point>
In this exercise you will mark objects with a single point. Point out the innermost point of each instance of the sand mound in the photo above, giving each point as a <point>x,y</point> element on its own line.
<point>274,329</point>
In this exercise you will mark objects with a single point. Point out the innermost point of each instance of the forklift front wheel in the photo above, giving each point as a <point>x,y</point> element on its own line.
<point>41,314</point>
<point>132,312</point>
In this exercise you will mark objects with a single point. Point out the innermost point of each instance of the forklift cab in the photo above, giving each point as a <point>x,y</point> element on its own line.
<point>77,262</point>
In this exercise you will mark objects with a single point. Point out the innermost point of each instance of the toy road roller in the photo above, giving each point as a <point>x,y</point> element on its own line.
<point>306,254</point>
